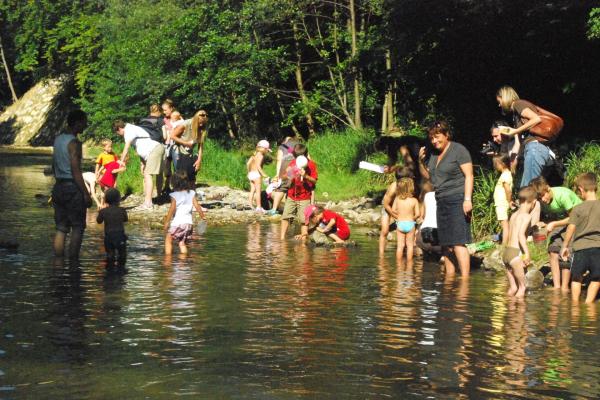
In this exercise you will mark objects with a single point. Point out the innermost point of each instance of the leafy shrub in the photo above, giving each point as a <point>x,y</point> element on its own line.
<point>483,220</point>
<point>585,159</point>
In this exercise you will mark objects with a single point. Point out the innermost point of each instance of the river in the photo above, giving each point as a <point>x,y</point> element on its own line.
<point>247,316</point>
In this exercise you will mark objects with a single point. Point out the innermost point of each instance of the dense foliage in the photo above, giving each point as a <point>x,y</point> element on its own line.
<point>269,68</point>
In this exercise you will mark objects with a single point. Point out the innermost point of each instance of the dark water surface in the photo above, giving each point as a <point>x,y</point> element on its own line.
<point>246,316</point>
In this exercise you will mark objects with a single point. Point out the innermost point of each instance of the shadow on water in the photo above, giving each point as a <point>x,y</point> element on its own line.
<point>245,315</point>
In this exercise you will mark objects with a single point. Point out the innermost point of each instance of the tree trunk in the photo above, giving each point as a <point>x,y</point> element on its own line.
<point>390,92</point>
<point>357,116</point>
<point>282,113</point>
<point>227,121</point>
<point>8,78</point>
<point>300,83</point>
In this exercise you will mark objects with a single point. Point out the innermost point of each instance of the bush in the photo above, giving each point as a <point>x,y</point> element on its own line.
<point>585,159</point>
<point>483,221</point>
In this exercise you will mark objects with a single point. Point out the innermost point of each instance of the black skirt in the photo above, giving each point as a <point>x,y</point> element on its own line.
<point>454,227</point>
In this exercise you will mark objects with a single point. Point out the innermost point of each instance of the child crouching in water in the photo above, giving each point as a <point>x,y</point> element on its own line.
<point>330,223</point>
<point>179,221</point>
<point>114,218</point>
<point>256,173</point>
<point>407,209</point>
<point>516,242</point>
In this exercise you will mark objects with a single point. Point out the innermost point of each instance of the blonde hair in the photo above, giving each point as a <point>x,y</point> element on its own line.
<point>155,108</point>
<point>507,96</point>
<point>527,194</point>
<point>587,181</point>
<point>195,127</point>
<point>405,188</point>
<point>540,186</point>
<point>104,142</point>
<point>176,115</point>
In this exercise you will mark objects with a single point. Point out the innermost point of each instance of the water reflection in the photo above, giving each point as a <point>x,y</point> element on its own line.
<point>245,315</point>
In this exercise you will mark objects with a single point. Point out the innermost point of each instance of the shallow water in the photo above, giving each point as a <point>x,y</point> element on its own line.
<point>246,316</point>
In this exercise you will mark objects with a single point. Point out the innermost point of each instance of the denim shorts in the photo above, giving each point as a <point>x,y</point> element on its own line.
<point>69,206</point>
<point>453,226</point>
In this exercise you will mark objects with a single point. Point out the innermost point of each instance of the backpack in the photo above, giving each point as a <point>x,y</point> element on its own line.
<point>153,126</point>
<point>549,128</point>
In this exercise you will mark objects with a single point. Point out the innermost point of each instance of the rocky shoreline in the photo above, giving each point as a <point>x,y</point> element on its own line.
<point>230,206</point>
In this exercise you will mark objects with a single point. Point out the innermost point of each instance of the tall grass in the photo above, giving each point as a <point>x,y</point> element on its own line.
<point>584,159</point>
<point>223,167</point>
<point>484,220</point>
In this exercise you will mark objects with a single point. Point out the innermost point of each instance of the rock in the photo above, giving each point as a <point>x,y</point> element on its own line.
<point>534,279</point>
<point>493,261</point>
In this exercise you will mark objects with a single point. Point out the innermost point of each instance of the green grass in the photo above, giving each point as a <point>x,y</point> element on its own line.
<point>484,222</point>
<point>584,159</point>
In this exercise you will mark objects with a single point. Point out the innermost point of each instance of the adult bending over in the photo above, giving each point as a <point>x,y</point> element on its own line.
<point>151,154</point>
<point>451,172</point>
<point>535,154</point>
<point>69,195</point>
<point>189,135</point>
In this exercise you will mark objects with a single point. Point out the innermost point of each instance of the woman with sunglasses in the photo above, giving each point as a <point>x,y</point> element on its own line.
<point>188,137</point>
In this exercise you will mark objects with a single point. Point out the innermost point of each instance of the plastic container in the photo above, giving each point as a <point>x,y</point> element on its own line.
<point>540,235</point>
<point>201,227</point>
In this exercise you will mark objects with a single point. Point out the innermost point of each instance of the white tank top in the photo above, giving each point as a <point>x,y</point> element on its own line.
<point>430,220</point>
<point>184,201</point>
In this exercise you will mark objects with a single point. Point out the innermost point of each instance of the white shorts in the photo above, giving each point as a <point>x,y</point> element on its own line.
<point>253,175</point>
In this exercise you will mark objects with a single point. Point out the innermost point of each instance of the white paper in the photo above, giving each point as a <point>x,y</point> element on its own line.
<point>371,167</point>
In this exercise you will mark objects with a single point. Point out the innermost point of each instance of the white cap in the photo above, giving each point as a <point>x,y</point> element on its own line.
<point>265,145</point>
<point>301,161</point>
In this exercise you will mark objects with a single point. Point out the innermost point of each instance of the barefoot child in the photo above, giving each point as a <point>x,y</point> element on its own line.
<point>406,208</point>
<point>516,240</point>
<point>584,229</point>
<point>503,193</point>
<point>388,215</point>
<point>179,221</point>
<point>115,240</point>
<point>557,201</point>
<point>105,157</point>
<point>256,173</point>
<point>327,222</point>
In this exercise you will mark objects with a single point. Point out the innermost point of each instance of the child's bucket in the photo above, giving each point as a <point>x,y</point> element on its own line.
<point>540,235</point>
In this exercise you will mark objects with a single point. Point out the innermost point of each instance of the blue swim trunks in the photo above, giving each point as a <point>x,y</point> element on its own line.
<point>405,226</point>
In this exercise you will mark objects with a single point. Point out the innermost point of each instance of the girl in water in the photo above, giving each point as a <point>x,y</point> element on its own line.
<point>256,173</point>
<point>406,207</point>
<point>179,221</point>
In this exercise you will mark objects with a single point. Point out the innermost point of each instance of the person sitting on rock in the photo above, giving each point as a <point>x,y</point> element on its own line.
<point>330,223</point>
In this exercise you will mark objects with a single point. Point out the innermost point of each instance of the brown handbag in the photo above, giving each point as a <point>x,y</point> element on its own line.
<point>550,126</point>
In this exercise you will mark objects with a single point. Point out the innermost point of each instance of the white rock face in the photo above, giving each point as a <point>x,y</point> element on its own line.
<point>37,116</point>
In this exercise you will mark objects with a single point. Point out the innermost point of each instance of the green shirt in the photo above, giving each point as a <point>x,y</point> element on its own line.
<point>563,201</point>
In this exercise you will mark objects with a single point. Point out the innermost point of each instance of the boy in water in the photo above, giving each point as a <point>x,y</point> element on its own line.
<point>557,201</point>
<point>584,228</point>
<point>516,242</point>
<point>331,224</point>
<point>115,240</point>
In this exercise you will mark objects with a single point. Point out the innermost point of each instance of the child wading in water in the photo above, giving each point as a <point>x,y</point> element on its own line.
<point>327,222</point>
<point>183,202</point>
<point>520,222</point>
<point>256,173</point>
<point>503,193</point>
<point>114,218</point>
<point>406,207</point>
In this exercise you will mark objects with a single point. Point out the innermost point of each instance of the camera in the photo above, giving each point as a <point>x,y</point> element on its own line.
<point>490,148</point>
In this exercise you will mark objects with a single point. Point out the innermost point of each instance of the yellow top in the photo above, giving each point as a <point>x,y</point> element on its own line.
<point>104,158</point>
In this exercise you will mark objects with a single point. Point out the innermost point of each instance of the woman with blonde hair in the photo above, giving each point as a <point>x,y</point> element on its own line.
<point>525,116</point>
<point>188,136</point>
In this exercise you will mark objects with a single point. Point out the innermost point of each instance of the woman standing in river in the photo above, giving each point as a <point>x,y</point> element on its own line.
<point>451,171</point>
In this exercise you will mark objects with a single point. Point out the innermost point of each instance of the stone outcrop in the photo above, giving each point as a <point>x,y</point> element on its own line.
<point>38,115</point>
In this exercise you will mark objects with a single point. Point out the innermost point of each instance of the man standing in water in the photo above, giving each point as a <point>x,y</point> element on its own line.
<point>69,195</point>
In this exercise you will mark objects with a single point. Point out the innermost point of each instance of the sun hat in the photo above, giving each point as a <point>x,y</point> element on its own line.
<point>308,212</point>
<point>265,144</point>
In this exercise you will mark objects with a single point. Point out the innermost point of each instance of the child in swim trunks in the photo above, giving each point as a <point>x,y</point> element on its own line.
<point>520,222</point>
<point>114,218</point>
<point>178,222</point>
<point>406,207</point>
<point>328,222</point>
<point>256,173</point>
